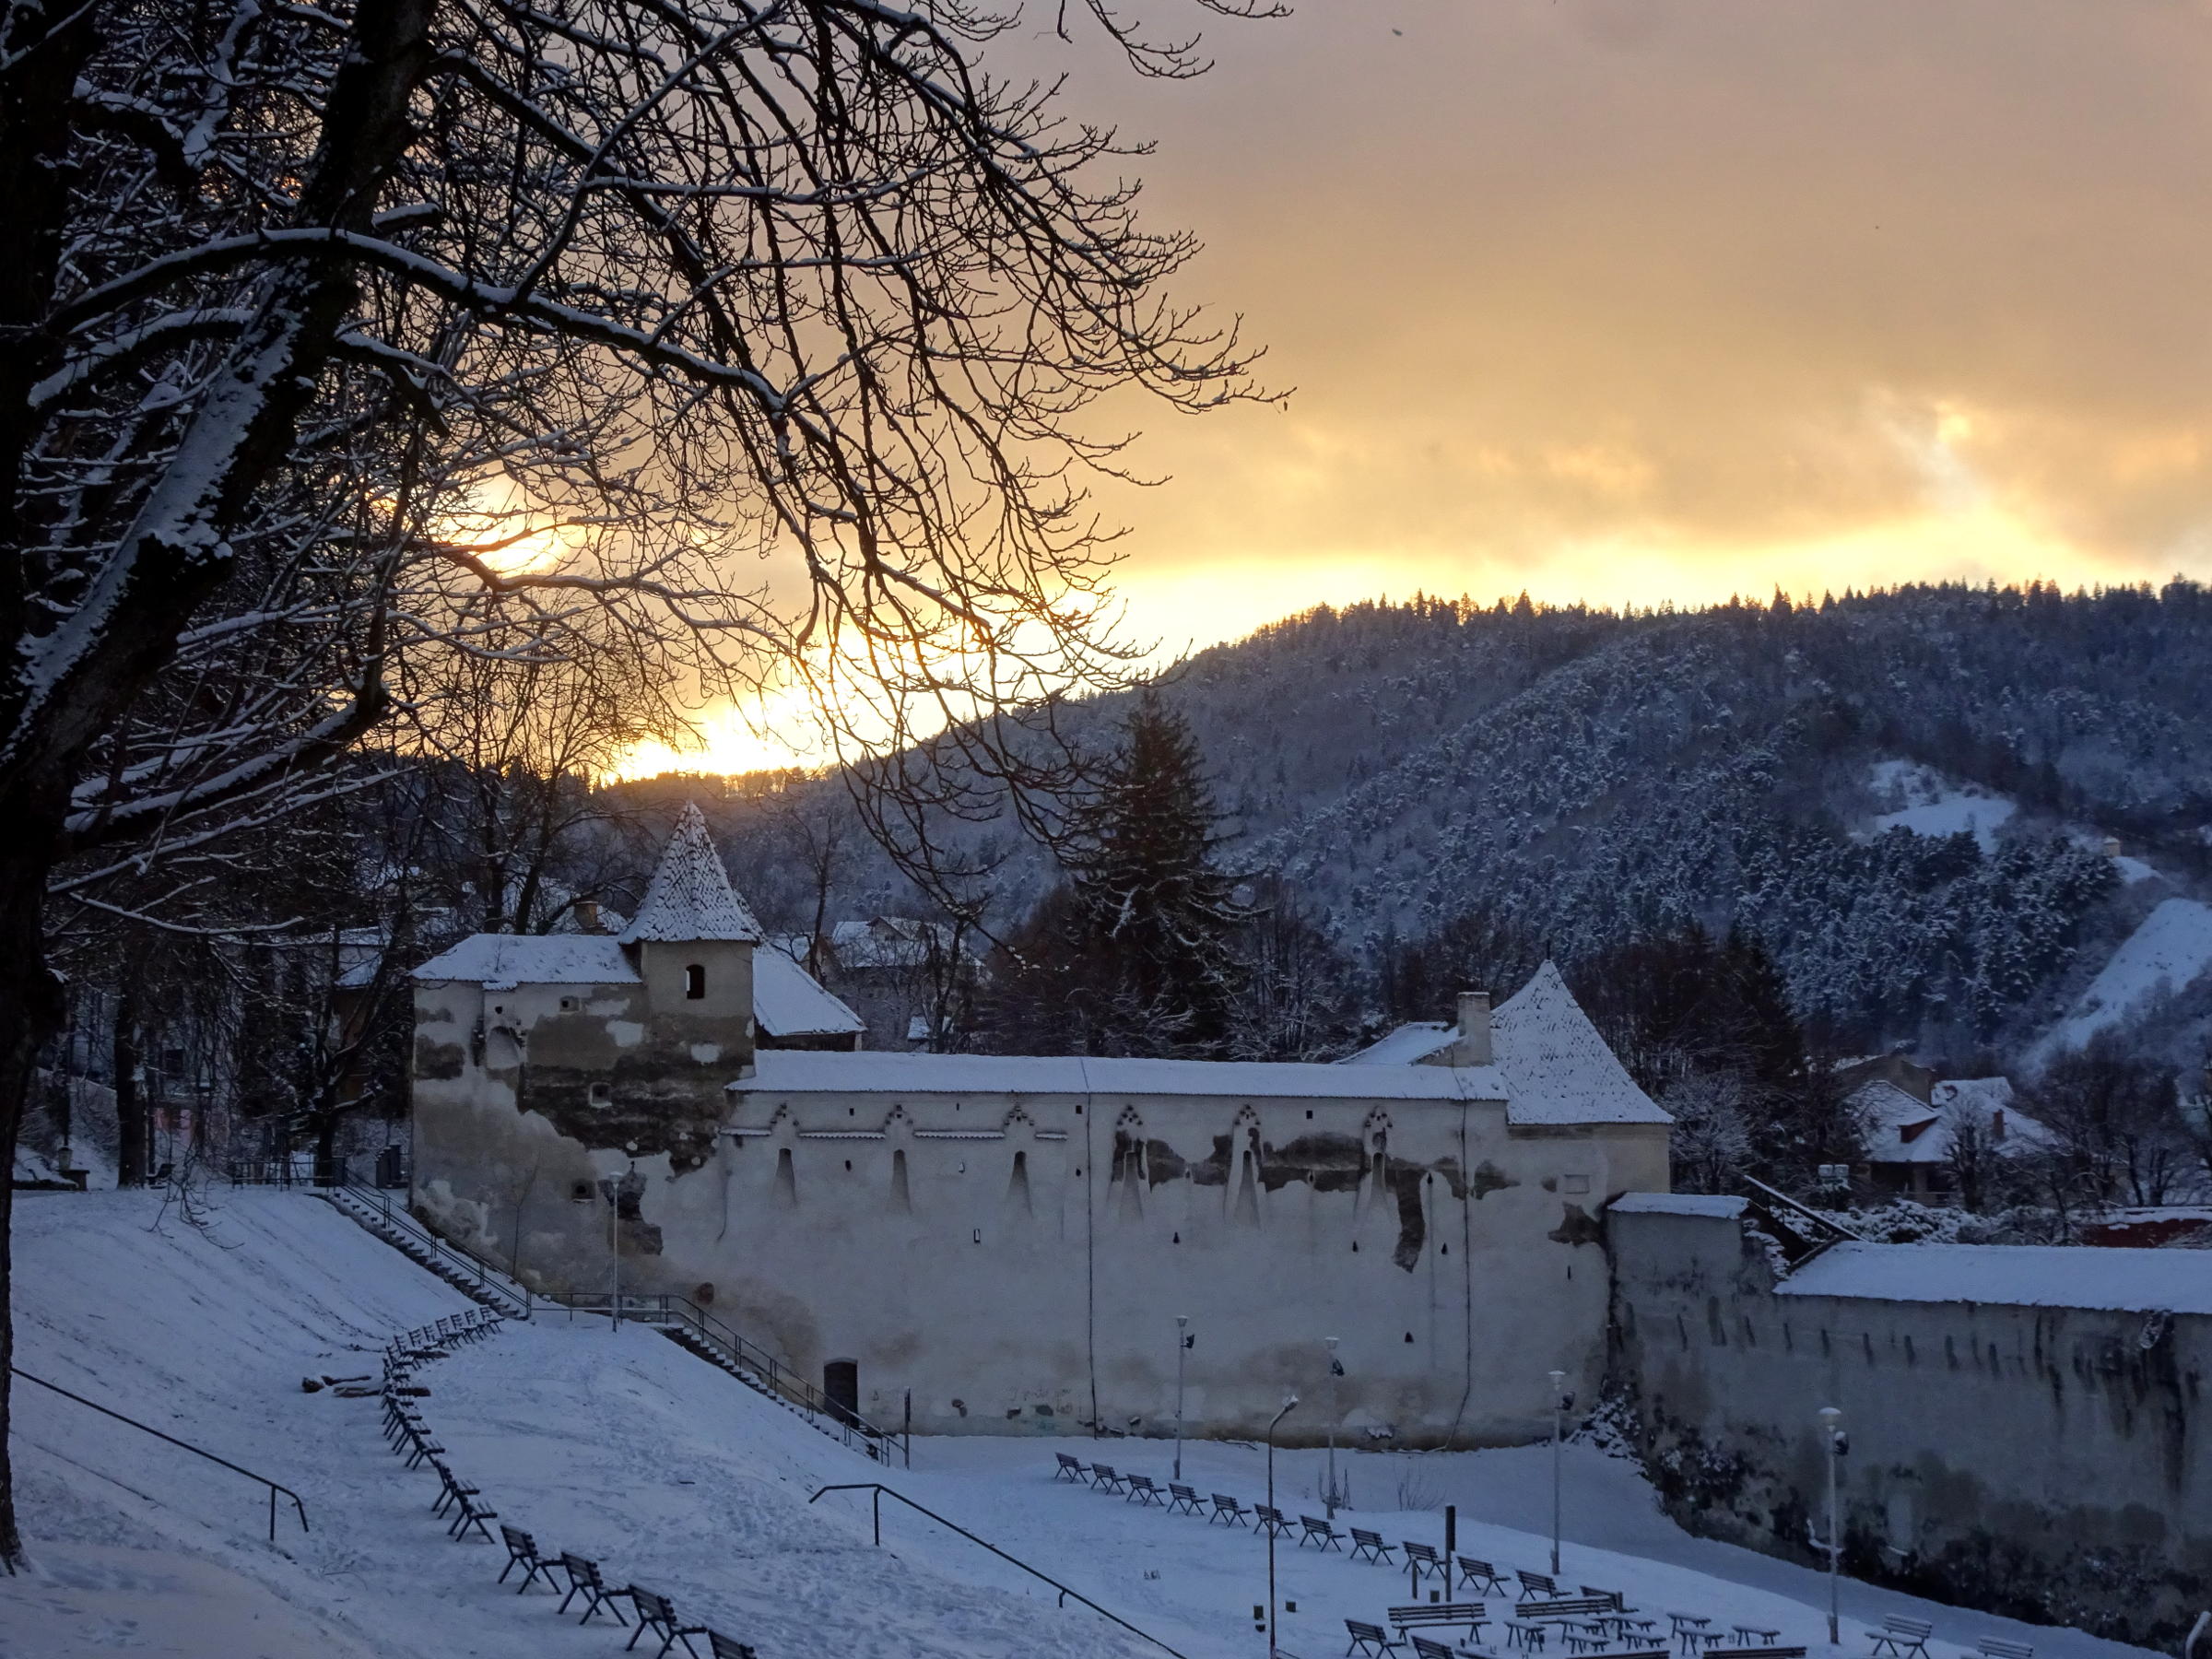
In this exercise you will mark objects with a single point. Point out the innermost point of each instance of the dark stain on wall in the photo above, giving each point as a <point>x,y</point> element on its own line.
<point>1489,1178</point>
<point>1577,1225</point>
<point>1328,1163</point>
<point>439,1060</point>
<point>654,1105</point>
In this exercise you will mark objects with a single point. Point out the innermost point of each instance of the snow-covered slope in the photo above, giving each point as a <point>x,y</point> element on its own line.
<point>624,1447</point>
<point>2172,948</point>
<point>1927,803</point>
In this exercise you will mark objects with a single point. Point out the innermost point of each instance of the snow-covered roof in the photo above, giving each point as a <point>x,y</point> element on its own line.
<point>2023,1276</point>
<point>1552,1068</point>
<point>533,960</point>
<point>1901,1129</point>
<point>690,896</point>
<point>789,1001</point>
<point>891,942</point>
<point>1556,1068</point>
<point>1678,1204</point>
<point>1408,1045</point>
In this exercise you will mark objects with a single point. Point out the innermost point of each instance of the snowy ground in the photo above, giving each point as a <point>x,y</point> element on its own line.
<point>2164,956</point>
<point>625,1447</point>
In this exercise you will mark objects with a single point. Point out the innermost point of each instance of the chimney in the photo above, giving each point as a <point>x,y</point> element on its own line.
<point>587,915</point>
<point>1474,1045</point>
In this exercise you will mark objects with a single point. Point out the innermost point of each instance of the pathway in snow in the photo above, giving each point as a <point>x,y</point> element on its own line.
<point>622,1446</point>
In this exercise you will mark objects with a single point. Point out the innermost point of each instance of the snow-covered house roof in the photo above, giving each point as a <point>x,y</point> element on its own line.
<point>1901,1129</point>
<point>1558,1069</point>
<point>503,959</point>
<point>690,896</point>
<point>892,942</point>
<point>1408,1045</point>
<point>789,1001</point>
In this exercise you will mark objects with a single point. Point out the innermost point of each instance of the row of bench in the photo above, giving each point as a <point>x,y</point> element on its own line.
<point>409,1435</point>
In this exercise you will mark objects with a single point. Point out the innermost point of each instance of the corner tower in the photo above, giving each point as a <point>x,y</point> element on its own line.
<point>692,941</point>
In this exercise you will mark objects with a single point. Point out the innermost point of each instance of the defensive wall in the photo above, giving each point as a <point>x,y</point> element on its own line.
<point>2026,1426</point>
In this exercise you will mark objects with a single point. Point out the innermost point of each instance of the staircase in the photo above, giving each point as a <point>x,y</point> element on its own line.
<point>466,1272</point>
<point>685,1323</point>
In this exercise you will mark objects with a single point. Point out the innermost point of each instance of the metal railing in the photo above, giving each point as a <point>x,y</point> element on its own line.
<point>494,1283</point>
<point>775,1376</point>
<point>145,1429</point>
<point>772,1376</point>
<point>882,1491</point>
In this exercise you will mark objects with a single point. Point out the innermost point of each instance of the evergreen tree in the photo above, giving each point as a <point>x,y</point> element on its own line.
<point>1136,953</point>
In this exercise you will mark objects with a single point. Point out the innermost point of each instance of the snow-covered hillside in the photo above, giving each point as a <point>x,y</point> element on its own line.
<point>2162,957</point>
<point>1925,801</point>
<point>624,1447</point>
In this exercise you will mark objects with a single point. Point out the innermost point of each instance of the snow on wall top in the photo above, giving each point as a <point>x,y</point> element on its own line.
<point>690,896</point>
<point>782,1072</point>
<point>1558,1069</point>
<point>533,960</point>
<point>1408,1045</point>
<point>790,1002</point>
<point>2172,948</point>
<point>1678,1204</point>
<point>1552,1068</point>
<point>2022,1276</point>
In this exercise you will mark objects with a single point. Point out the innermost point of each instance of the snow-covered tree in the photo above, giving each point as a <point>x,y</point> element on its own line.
<point>346,336</point>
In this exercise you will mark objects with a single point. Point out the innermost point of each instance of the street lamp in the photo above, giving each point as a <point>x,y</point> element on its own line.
<point>1290,1403</point>
<point>611,1191</point>
<point>1332,1496</point>
<point>1834,1445</point>
<point>1182,1342</point>
<point>1561,1400</point>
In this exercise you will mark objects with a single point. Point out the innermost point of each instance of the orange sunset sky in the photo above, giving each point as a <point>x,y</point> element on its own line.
<point>1636,300</point>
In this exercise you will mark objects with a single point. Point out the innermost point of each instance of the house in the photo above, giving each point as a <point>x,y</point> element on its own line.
<point>1927,1149</point>
<point>1002,1242</point>
<point>914,982</point>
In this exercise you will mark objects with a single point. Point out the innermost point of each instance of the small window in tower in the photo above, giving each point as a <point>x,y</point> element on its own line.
<point>695,982</point>
<point>603,1094</point>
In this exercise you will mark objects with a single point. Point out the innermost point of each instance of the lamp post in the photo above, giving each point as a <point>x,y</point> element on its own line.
<point>1290,1403</point>
<point>1834,1442</point>
<point>1182,1342</point>
<point>1330,1497</point>
<point>1561,1400</point>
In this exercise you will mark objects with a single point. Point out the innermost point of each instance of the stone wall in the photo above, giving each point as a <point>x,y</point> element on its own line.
<point>2048,1462</point>
<point>1015,1262</point>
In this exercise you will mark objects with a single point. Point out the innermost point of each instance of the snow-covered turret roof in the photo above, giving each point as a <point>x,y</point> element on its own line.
<point>1558,1069</point>
<point>690,897</point>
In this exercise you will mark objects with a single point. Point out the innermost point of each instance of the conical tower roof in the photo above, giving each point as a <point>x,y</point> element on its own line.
<point>690,897</point>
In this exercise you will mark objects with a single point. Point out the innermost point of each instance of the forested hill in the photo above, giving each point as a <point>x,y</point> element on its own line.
<point>1793,769</point>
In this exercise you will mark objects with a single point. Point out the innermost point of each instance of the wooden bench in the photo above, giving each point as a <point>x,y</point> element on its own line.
<point>1537,1586</point>
<point>1228,1509</point>
<point>1591,1638</point>
<point>1528,1637</point>
<point>1103,1479</point>
<point>1368,1547</point>
<point>1612,1596</point>
<point>471,1513</point>
<point>1181,1499</point>
<point>453,1488</point>
<point>1565,1607</point>
<point>522,1551</point>
<point>1901,1637</point>
<point>585,1581</point>
<point>1749,1653</point>
<point>1423,1560</point>
<point>1319,1530</point>
<point>723,1647</point>
<point>1371,1639</point>
<point>656,1615</point>
<point>1471,1613</point>
<point>1271,1521</point>
<point>1481,1575</point>
<point>1425,1649</point>
<point>1070,1469</point>
<point>1760,1636</point>
<point>1142,1489</point>
<point>1997,1647</point>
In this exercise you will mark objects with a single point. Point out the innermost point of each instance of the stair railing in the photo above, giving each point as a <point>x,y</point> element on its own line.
<point>775,1376</point>
<point>881,1492</point>
<point>186,1445</point>
<point>493,1281</point>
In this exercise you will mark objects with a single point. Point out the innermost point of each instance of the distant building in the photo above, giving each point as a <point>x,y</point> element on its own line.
<point>913,982</point>
<point>1920,1148</point>
<point>1005,1240</point>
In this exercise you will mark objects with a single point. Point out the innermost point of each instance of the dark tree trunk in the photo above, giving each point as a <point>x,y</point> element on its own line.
<point>131,1162</point>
